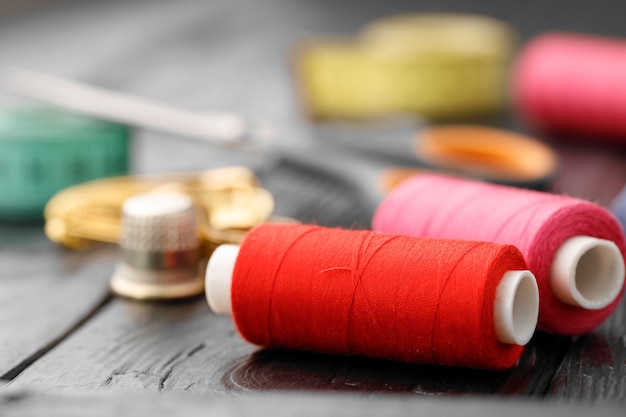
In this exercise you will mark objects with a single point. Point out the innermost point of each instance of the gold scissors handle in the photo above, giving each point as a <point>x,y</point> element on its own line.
<point>230,202</point>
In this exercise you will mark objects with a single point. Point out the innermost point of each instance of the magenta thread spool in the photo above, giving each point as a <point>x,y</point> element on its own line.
<point>572,84</point>
<point>574,248</point>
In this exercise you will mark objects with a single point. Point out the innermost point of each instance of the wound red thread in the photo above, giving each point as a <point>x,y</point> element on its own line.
<point>535,222</point>
<point>372,294</point>
<point>573,84</point>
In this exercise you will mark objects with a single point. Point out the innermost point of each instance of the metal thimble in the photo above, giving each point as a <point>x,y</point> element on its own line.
<point>159,248</point>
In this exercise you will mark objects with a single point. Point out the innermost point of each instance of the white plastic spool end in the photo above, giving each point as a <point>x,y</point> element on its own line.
<point>219,277</point>
<point>516,307</point>
<point>587,272</point>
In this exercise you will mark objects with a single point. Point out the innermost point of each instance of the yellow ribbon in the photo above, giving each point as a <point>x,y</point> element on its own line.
<point>440,66</point>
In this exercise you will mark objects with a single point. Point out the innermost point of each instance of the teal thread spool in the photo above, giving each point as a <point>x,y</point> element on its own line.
<point>43,150</point>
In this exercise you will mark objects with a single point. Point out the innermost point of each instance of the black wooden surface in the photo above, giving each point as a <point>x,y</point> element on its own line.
<point>314,404</point>
<point>67,345</point>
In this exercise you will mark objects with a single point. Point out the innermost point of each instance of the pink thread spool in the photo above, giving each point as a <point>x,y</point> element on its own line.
<point>573,84</point>
<point>574,248</point>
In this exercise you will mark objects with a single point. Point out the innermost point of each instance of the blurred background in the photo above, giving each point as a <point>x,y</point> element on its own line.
<point>238,56</point>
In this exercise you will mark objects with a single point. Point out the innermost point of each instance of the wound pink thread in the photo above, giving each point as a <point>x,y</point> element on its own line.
<point>536,223</point>
<point>573,84</point>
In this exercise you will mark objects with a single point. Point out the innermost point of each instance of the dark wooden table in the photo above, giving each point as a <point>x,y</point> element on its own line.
<point>69,347</point>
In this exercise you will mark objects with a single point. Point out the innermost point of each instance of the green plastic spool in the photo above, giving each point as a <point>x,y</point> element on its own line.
<point>43,150</point>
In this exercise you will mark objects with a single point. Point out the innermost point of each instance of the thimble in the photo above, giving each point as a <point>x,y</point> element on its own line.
<point>159,248</point>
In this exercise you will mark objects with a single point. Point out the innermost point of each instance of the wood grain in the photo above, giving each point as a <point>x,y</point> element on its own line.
<point>45,293</point>
<point>594,369</point>
<point>269,370</point>
<point>135,346</point>
<point>17,403</point>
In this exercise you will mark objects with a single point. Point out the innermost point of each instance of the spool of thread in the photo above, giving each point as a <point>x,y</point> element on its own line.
<point>444,302</point>
<point>43,150</point>
<point>574,248</point>
<point>159,246</point>
<point>573,84</point>
<point>437,65</point>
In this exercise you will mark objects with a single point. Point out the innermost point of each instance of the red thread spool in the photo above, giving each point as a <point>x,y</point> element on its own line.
<point>574,248</point>
<point>378,295</point>
<point>573,84</point>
